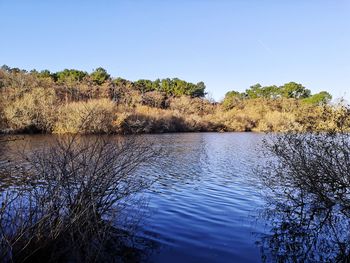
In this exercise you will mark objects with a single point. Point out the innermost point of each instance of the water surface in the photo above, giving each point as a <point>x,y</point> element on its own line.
<point>205,205</point>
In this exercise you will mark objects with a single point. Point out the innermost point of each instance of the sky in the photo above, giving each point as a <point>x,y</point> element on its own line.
<point>230,45</point>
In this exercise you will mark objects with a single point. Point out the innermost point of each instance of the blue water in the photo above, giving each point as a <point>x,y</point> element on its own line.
<point>205,205</point>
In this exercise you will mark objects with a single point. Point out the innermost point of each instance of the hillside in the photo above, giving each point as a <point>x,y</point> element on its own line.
<point>74,101</point>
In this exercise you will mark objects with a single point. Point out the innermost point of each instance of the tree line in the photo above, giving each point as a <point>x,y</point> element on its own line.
<point>72,77</point>
<point>290,90</point>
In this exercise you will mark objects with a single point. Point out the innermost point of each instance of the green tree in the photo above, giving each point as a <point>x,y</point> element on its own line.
<point>294,90</point>
<point>144,85</point>
<point>179,87</point>
<point>69,76</point>
<point>156,85</point>
<point>320,98</point>
<point>268,92</point>
<point>44,74</point>
<point>166,86</point>
<point>198,90</point>
<point>99,76</point>
<point>231,99</point>
<point>254,91</point>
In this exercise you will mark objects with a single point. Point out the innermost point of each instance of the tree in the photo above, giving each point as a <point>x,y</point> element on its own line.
<point>45,73</point>
<point>156,85</point>
<point>6,68</point>
<point>70,76</point>
<point>166,86</point>
<point>270,92</point>
<point>294,90</point>
<point>254,91</point>
<point>231,99</point>
<point>320,98</point>
<point>267,92</point>
<point>179,87</point>
<point>144,85</point>
<point>99,76</point>
<point>199,90</point>
<point>42,74</point>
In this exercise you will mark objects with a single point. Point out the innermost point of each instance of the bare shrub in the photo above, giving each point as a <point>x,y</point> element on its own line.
<point>307,185</point>
<point>147,120</point>
<point>94,116</point>
<point>32,111</point>
<point>278,121</point>
<point>144,119</point>
<point>64,200</point>
<point>186,105</point>
<point>154,99</point>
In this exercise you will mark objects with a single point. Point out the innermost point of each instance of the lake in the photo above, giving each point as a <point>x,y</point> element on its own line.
<point>205,205</point>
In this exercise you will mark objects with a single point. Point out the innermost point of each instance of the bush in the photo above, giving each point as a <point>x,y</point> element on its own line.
<point>65,200</point>
<point>306,183</point>
<point>150,120</point>
<point>94,116</point>
<point>278,121</point>
<point>154,99</point>
<point>186,105</point>
<point>231,100</point>
<point>34,111</point>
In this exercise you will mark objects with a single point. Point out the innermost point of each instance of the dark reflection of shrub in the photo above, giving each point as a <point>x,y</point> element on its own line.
<point>65,200</point>
<point>307,183</point>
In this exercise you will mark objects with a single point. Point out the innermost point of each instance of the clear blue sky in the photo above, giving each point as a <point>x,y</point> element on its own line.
<point>229,45</point>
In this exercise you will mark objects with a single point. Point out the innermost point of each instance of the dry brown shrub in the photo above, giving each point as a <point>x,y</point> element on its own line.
<point>187,105</point>
<point>278,121</point>
<point>143,119</point>
<point>154,99</point>
<point>34,111</point>
<point>94,116</point>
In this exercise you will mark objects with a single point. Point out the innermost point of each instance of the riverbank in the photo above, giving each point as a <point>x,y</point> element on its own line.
<point>73,101</point>
<point>106,117</point>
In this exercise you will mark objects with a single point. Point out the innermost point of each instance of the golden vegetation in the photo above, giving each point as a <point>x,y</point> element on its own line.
<point>93,116</point>
<point>72,101</point>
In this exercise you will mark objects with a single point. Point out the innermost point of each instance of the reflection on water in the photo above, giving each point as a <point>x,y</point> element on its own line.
<point>308,207</point>
<point>203,206</point>
<point>206,206</point>
<point>305,232</point>
<point>63,203</point>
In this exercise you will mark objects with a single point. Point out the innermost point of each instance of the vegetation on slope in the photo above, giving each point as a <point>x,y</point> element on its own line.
<point>74,101</point>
